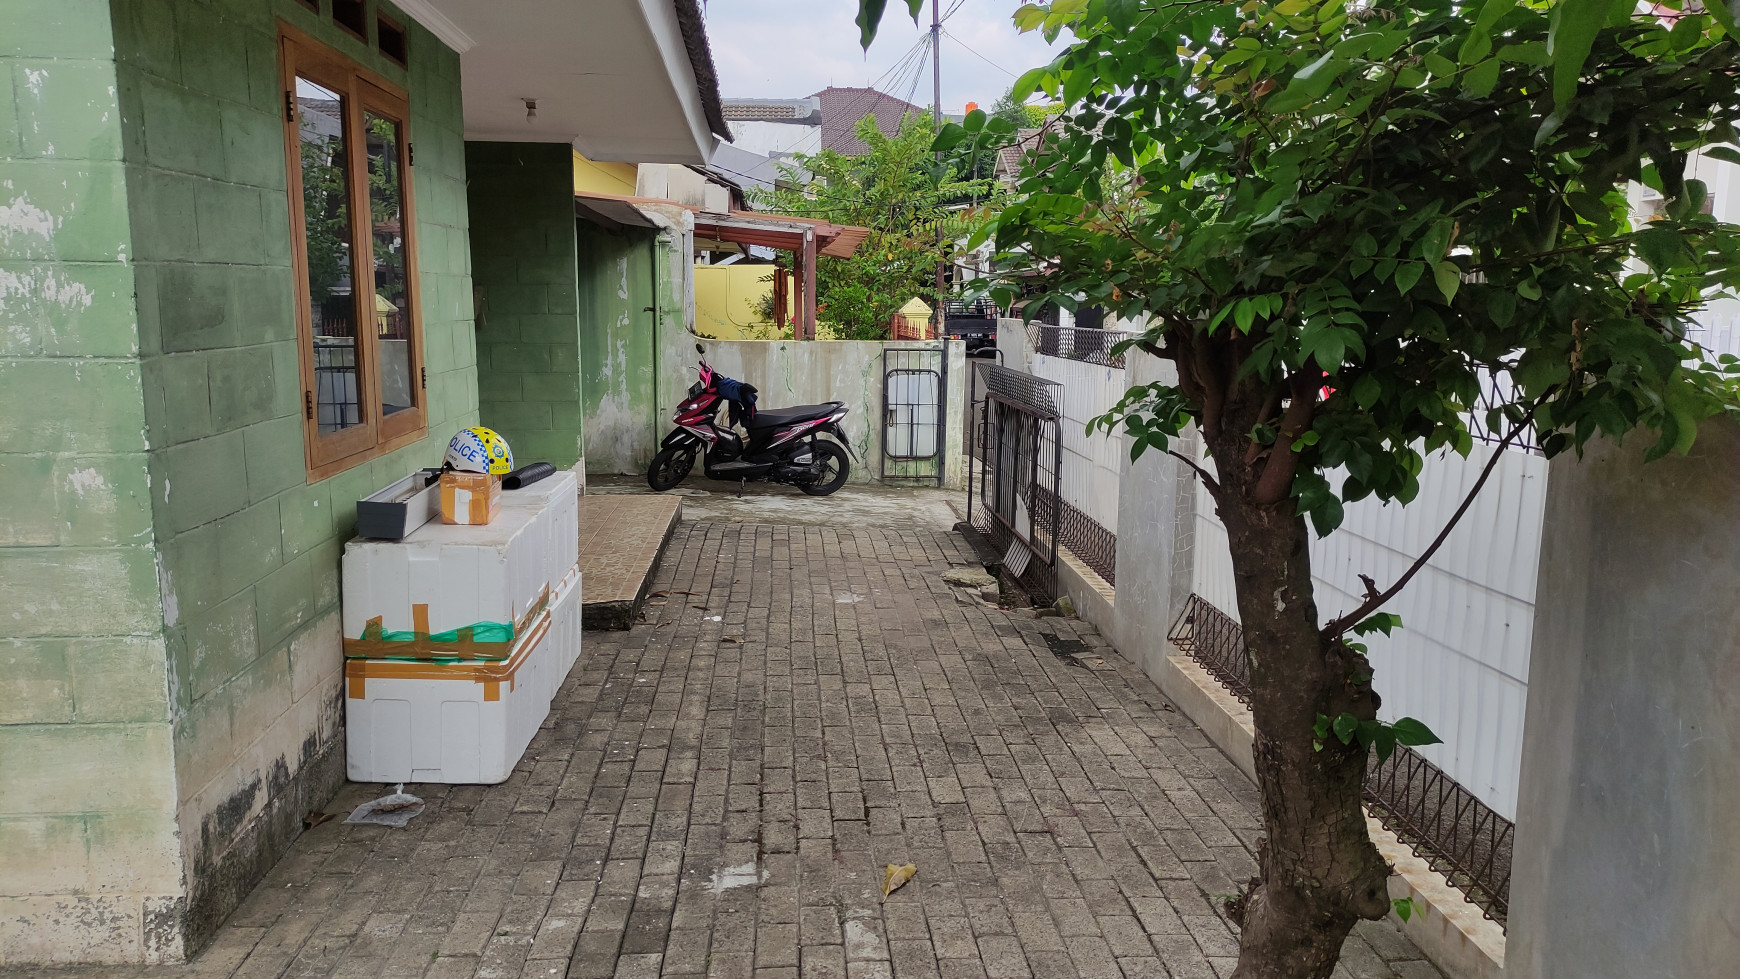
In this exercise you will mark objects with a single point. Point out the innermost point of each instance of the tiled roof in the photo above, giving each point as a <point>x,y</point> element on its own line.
<point>843,107</point>
<point>1009,157</point>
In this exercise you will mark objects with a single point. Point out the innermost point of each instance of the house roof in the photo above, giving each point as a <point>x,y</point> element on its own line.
<point>1009,157</point>
<point>782,231</point>
<point>621,80</point>
<point>694,31</point>
<point>799,112</point>
<point>843,107</point>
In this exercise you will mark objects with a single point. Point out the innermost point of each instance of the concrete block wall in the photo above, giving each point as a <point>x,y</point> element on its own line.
<point>88,855</point>
<point>1627,863</point>
<point>528,336</point>
<point>249,550</point>
<point>619,347</point>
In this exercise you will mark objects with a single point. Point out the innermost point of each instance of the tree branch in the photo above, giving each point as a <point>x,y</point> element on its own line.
<point>1277,476</point>
<point>1213,486</point>
<point>1337,627</point>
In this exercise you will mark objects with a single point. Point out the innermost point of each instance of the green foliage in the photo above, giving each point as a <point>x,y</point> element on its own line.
<point>904,196</point>
<point>1384,735</point>
<point>1404,908</point>
<point>1359,215</point>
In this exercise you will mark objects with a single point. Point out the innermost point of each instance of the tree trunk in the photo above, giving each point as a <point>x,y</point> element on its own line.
<point>1318,871</point>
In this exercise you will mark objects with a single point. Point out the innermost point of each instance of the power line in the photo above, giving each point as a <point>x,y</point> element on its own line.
<point>899,65</point>
<point>976,54</point>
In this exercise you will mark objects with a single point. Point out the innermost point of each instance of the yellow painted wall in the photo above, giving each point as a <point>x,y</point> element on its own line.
<point>726,297</point>
<point>603,178</point>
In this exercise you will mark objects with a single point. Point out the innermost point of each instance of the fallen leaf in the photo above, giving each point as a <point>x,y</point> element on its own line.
<point>658,603</point>
<point>730,639</point>
<point>659,594</point>
<point>895,876</point>
<point>701,607</point>
<point>314,819</point>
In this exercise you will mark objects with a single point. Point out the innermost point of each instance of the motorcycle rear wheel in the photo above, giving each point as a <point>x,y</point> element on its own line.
<point>670,467</point>
<point>835,467</point>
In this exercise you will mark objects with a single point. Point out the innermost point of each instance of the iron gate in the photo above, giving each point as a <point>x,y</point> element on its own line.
<point>914,393</point>
<point>1012,480</point>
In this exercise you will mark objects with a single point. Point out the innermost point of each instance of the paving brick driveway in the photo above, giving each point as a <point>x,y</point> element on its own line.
<point>717,791</point>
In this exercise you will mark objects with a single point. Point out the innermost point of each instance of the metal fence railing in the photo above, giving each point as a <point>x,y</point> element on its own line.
<point>1445,825</point>
<point>1089,346</point>
<point>1442,822</point>
<point>1216,642</point>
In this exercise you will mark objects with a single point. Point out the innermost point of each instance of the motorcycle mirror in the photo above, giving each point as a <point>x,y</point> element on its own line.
<point>700,349</point>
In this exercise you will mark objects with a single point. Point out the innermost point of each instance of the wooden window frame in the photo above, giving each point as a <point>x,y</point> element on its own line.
<point>362,35</point>
<point>403,59</point>
<point>376,434</point>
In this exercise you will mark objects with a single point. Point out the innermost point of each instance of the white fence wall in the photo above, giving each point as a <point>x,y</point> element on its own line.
<point>1718,329</point>
<point>1091,463</point>
<point>1460,662</point>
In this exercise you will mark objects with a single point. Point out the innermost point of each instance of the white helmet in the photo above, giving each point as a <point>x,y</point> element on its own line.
<point>480,450</point>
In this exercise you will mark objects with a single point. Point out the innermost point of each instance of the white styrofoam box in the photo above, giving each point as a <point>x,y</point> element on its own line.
<point>568,597</point>
<point>457,723</point>
<point>558,497</point>
<point>464,574</point>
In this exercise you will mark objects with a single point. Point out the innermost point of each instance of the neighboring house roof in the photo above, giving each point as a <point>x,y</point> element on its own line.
<point>743,168</point>
<point>843,107</point>
<point>694,29</point>
<point>797,112</point>
<point>1009,157</point>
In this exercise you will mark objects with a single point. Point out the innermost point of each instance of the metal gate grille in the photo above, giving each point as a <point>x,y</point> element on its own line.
<point>1013,475</point>
<point>914,392</point>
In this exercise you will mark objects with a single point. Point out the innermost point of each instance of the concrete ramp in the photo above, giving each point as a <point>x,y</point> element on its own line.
<point>622,537</point>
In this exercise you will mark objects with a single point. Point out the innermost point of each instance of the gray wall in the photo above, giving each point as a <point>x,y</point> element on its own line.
<point>1628,838</point>
<point>1150,561</point>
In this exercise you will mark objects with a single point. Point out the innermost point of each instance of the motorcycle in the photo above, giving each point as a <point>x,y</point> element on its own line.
<point>784,444</point>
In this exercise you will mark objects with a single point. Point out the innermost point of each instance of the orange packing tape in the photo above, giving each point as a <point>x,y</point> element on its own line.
<point>490,674</point>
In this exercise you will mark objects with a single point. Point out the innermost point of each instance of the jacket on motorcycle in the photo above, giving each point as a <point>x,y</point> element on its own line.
<point>740,398</point>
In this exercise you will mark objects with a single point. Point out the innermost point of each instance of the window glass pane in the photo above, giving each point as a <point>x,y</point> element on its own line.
<point>392,300</point>
<point>327,233</point>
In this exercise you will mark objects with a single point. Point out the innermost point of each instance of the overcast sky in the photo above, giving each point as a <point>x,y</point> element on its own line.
<point>773,49</point>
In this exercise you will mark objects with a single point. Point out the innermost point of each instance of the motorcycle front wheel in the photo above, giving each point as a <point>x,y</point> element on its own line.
<point>834,467</point>
<point>670,467</point>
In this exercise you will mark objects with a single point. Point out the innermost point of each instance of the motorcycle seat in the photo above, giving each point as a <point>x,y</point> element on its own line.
<point>779,417</point>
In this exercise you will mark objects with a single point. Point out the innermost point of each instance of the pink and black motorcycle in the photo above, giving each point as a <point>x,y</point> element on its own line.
<point>785,445</point>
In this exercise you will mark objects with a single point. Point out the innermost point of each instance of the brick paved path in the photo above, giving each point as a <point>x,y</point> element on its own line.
<point>718,798</point>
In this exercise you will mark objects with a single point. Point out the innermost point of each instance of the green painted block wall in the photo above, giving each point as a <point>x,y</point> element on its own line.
<point>522,243</point>
<point>619,346</point>
<point>249,551</point>
<point>88,856</point>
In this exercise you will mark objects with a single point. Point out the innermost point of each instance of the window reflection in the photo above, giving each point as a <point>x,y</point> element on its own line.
<point>326,218</point>
<point>392,301</point>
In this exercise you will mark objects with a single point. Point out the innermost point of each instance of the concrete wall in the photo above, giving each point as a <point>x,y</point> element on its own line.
<point>180,660</point>
<point>601,177</point>
<point>1627,863</point>
<point>1153,543</point>
<point>528,332</point>
<point>789,372</point>
<point>249,549</point>
<point>728,302</point>
<point>89,864</point>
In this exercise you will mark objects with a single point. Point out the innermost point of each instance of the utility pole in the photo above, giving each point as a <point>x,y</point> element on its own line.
<point>937,317</point>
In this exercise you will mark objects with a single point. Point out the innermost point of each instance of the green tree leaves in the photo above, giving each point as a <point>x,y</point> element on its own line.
<point>870,18</point>
<point>916,209</point>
